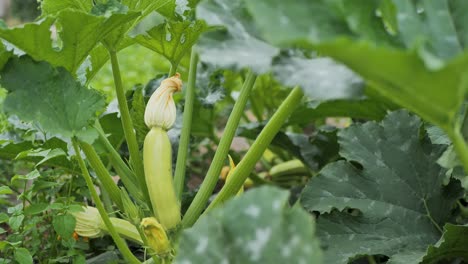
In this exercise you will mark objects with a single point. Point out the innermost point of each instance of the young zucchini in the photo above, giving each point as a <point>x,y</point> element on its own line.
<point>160,115</point>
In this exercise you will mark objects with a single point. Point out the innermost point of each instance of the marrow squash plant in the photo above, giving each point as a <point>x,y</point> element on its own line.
<point>272,132</point>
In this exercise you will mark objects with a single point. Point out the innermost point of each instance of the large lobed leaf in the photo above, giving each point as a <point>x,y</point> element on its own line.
<point>239,45</point>
<point>398,192</point>
<point>116,37</point>
<point>77,34</point>
<point>434,27</point>
<point>49,96</point>
<point>420,66</point>
<point>258,227</point>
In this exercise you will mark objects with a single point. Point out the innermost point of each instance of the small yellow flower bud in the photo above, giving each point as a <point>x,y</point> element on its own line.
<point>232,166</point>
<point>161,109</point>
<point>156,236</point>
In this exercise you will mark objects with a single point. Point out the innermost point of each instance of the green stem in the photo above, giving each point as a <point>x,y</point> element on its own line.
<point>459,144</point>
<point>119,165</point>
<point>127,124</point>
<point>247,164</point>
<point>120,243</point>
<point>172,70</point>
<point>103,175</point>
<point>209,183</point>
<point>114,157</point>
<point>179,175</point>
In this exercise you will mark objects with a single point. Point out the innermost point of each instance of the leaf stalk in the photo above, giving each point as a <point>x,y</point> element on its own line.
<point>247,164</point>
<point>121,245</point>
<point>127,124</point>
<point>209,183</point>
<point>179,175</point>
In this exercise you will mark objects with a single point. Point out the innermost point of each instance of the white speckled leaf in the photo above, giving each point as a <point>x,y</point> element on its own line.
<point>398,192</point>
<point>258,227</point>
<point>237,45</point>
<point>321,78</point>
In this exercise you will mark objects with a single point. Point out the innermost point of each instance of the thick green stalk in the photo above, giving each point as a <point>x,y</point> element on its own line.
<point>128,181</point>
<point>179,175</point>
<point>103,175</point>
<point>120,243</point>
<point>172,70</point>
<point>459,144</point>
<point>119,165</point>
<point>209,183</point>
<point>127,124</point>
<point>247,164</point>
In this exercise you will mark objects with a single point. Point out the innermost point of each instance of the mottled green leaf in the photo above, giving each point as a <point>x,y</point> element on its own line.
<point>355,108</point>
<point>398,191</point>
<point>452,245</point>
<point>173,40</point>
<point>240,46</point>
<point>237,45</point>
<point>281,21</point>
<point>75,35</point>
<point>459,13</point>
<point>49,96</point>
<point>435,94</point>
<point>403,78</point>
<point>258,227</point>
<point>434,28</point>
<point>320,78</point>
<point>437,136</point>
